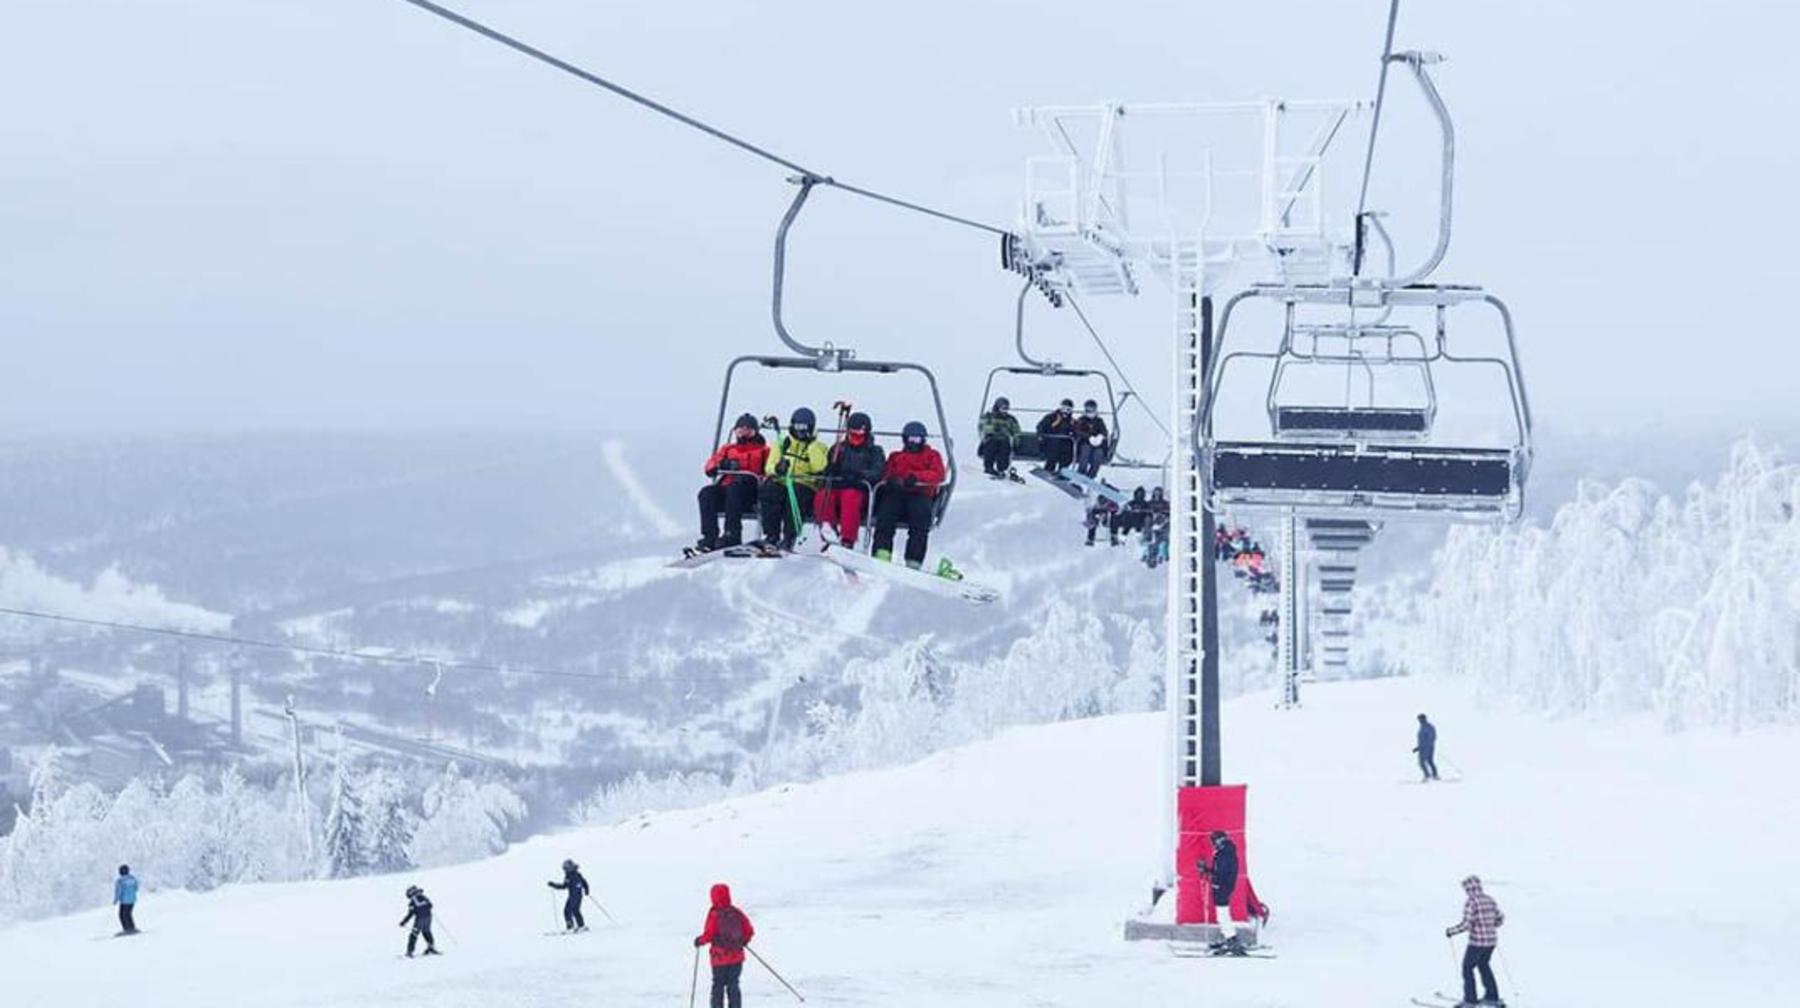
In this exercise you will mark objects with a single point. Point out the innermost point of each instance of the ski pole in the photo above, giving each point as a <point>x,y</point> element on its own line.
<point>596,902</point>
<point>447,934</point>
<point>771,969</point>
<point>1506,971</point>
<point>556,914</point>
<point>694,987</point>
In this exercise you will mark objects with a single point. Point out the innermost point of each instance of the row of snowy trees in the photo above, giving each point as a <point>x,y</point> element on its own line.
<point>65,849</point>
<point>1631,600</point>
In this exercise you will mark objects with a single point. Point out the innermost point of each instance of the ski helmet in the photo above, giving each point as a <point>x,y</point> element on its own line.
<point>801,424</point>
<point>1090,407</point>
<point>859,422</point>
<point>413,890</point>
<point>1217,836</point>
<point>568,865</point>
<point>913,434</point>
<point>1002,404</point>
<point>125,869</point>
<point>1066,406</point>
<point>745,420</point>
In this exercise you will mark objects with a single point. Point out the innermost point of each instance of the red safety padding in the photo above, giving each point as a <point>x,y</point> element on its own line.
<point>1199,811</point>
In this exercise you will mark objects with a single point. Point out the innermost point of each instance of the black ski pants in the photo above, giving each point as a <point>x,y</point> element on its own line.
<point>572,910</point>
<point>420,927</point>
<point>725,986</point>
<point>996,454</point>
<point>1059,451</point>
<point>897,506</point>
<point>126,923</point>
<point>1428,763</point>
<point>734,499</point>
<point>778,515</point>
<point>1475,960</point>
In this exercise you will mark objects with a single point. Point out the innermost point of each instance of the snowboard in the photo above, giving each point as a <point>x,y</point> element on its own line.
<point>1098,489</point>
<point>861,563</point>
<point>1058,482</point>
<point>693,557</point>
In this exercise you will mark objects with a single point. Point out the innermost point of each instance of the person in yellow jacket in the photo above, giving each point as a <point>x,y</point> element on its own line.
<point>797,463</point>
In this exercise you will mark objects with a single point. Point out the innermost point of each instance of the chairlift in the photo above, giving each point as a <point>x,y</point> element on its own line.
<point>1364,457</point>
<point>830,359</point>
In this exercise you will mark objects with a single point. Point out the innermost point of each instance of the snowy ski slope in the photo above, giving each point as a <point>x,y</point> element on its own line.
<point>1635,868</point>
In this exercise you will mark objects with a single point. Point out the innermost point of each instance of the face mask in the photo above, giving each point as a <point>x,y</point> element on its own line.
<point>857,437</point>
<point>915,444</point>
<point>745,434</point>
<point>801,433</point>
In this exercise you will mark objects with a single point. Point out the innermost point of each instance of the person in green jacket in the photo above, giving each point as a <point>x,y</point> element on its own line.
<point>797,464</point>
<point>999,431</point>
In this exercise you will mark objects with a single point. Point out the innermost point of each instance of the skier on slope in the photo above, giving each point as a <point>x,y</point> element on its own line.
<point>577,888</point>
<point>792,473</point>
<point>1482,920</point>
<point>1056,437</point>
<point>125,890</point>
<point>734,470</point>
<point>909,487</point>
<point>1426,747</point>
<point>418,914</point>
<point>1222,874</point>
<point>728,931</point>
<point>1091,440</point>
<point>852,470</point>
<point>999,431</point>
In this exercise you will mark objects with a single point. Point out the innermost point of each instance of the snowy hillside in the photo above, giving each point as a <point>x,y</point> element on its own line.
<point>999,874</point>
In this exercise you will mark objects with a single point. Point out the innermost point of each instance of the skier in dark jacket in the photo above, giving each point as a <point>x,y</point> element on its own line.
<point>854,468</point>
<point>1104,511</point>
<point>418,914</point>
<point>1427,748</point>
<point>728,931</point>
<point>999,431</point>
<point>909,487</point>
<point>1092,443</point>
<point>125,890</point>
<point>1222,874</point>
<point>1135,514</point>
<point>734,470</point>
<point>577,888</point>
<point>1056,437</point>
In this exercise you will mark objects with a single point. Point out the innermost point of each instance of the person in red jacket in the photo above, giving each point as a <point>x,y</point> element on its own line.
<point>728,931</point>
<point>734,470</point>
<point>909,485</point>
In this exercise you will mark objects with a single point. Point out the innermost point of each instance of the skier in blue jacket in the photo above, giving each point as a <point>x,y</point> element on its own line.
<point>125,895</point>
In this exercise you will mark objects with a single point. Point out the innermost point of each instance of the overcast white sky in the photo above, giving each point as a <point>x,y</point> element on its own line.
<point>231,214</point>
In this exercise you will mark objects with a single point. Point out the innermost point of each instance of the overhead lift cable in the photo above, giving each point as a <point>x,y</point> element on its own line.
<point>416,660</point>
<point>1110,359</point>
<point>806,174</point>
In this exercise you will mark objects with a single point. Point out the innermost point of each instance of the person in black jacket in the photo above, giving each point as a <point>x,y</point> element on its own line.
<point>1426,747</point>
<point>852,472</point>
<point>1223,876</point>
<point>577,888</point>
<point>1056,437</point>
<point>1091,440</point>
<point>418,914</point>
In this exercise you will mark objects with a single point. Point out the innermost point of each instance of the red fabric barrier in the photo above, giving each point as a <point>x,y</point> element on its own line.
<point>1199,811</point>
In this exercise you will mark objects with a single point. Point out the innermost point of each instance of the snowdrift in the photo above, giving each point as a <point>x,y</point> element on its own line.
<point>1633,867</point>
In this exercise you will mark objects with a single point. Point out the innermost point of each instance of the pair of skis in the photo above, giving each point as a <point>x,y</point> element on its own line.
<point>1438,999</point>
<point>946,581</point>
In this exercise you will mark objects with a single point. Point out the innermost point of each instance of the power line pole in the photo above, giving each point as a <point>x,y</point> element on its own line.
<point>300,810</point>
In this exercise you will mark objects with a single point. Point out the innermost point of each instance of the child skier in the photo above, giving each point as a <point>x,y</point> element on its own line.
<point>728,931</point>
<point>125,895</point>
<point>577,887</point>
<point>418,914</point>
<point>1222,873</point>
<point>1481,919</point>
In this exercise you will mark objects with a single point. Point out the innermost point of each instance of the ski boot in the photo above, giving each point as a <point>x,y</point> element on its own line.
<point>947,570</point>
<point>885,556</point>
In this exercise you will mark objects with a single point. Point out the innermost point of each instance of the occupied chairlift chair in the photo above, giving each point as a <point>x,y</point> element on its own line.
<point>831,359</point>
<point>1374,458</point>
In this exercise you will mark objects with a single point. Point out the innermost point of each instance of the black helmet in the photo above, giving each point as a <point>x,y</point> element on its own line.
<point>1217,835</point>
<point>413,890</point>
<point>1090,406</point>
<point>859,422</point>
<point>913,433</point>
<point>802,423</point>
<point>1137,494</point>
<point>1066,405</point>
<point>125,869</point>
<point>746,420</point>
<point>1002,404</point>
<point>568,865</point>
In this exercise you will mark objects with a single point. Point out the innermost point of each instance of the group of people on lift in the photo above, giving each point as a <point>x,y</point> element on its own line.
<point>800,480</point>
<point>1249,562</point>
<point>1063,438</point>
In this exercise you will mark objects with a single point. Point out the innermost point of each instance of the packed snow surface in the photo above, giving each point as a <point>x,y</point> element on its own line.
<point>1634,868</point>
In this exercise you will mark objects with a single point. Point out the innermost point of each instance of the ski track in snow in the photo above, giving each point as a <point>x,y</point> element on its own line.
<point>1634,868</point>
<point>613,452</point>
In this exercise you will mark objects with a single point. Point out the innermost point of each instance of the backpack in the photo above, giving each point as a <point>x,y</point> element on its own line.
<point>730,933</point>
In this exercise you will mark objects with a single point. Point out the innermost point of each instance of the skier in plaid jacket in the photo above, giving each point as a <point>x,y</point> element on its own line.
<point>1481,919</point>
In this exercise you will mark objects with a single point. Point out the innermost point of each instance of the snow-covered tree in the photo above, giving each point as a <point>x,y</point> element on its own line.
<point>389,822</point>
<point>464,819</point>
<point>344,836</point>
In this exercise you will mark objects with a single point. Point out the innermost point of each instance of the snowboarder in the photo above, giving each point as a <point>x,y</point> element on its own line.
<point>728,931</point>
<point>999,431</point>
<point>418,914</point>
<point>852,469</point>
<point>734,470</point>
<point>1104,511</point>
<point>1426,747</point>
<point>577,888</point>
<point>1056,437</point>
<point>1091,440</point>
<point>125,895</point>
<point>909,486</point>
<point>1222,873</point>
<point>1481,919</point>
<point>794,469</point>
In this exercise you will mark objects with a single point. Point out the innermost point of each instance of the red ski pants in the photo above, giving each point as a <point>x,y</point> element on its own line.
<point>842,507</point>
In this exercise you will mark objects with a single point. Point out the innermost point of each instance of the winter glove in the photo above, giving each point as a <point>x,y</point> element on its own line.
<point>699,942</point>
<point>551,884</point>
<point>710,473</point>
<point>911,481</point>
<point>1449,932</point>
<point>729,465</point>
<point>781,468</point>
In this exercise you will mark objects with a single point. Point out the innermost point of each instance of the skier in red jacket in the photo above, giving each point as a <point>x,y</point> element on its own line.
<point>728,931</point>
<point>909,486</point>
<point>734,470</point>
